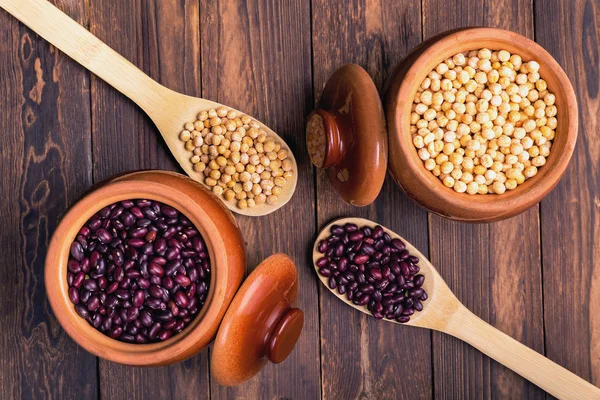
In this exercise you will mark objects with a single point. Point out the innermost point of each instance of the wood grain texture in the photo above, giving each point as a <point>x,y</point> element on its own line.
<point>570,215</point>
<point>162,38</point>
<point>494,269</point>
<point>61,131</point>
<point>256,58</point>
<point>45,159</point>
<point>360,356</point>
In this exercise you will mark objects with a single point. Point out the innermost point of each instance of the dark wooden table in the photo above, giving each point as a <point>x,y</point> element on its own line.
<point>535,276</point>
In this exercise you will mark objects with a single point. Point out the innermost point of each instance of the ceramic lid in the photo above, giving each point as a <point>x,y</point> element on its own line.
<point>261,323</point>
<point>347,135</point>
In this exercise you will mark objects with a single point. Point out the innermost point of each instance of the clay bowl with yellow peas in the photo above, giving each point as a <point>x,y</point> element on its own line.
<point>469,166</point>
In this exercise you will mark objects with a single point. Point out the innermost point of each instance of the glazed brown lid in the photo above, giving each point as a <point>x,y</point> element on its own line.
<point>349,133</point>
<point>261,323</point>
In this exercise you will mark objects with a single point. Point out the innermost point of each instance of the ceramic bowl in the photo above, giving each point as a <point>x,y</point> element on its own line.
<point>420,184</point>
<point>225,246</point>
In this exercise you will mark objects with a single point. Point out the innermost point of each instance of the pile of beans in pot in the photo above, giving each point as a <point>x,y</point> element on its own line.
<point>372,270</point>
<point>138,271</point>
<point>484,121</point>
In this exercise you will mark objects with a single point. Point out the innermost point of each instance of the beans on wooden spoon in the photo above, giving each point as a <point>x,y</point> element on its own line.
<point>443,312</point>
<point>169,110</point>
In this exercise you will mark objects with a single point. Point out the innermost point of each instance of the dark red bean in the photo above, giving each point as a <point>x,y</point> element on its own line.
<point>156,292</point>
<point>181,299</point>
<point>82,311</point>
<point>367,249</point>
<point>136,243</point>
<point>361,259</point>
<point>139,338</point>
<point>336,230</point>
<point>159,260</point>
<point>138,298</point>
<point>78,280</point>
<point>74,295</point>
<point>143,283</point>
<point>138,232</point>
<point>419,280</point>
<point>162,315</point>
<point>77,251</point>
<point>398,244</point>
<point>356,236</point>
<point>182,280</point>
<point>172,253</point>
<point>115,332</point>
<point>350,227</point>
<point>133,274</point>
<point>74,266</point>
<point>132,313</point>
<point>118,274</point>
<point>156,269</point>
<point>93,303</point>
<point>104,236</point>
<point>137,212</point>
<point>91,285</point>
<point>102,283</point>
<point>146,318</point>
<point>150,236</point>
<point>112,287</point>
<point>323,261</point>
<point>165,334</point>
<point>155,280</point>
<point>155,304</point>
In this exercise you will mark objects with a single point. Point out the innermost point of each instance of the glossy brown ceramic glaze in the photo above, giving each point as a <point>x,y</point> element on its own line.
<point>420,184</point>
<point>261,323</point>
<point>356,152</point>
<point>219,230</point>
<point>443,312</point>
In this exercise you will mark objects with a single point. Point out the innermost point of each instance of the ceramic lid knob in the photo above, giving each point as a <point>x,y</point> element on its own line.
<point>347,135</point>
<point>285,335</point>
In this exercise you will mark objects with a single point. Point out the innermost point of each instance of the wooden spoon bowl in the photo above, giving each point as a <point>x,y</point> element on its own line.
<point>426,189</point>
<point>443,312</point>
<point>169,110</point>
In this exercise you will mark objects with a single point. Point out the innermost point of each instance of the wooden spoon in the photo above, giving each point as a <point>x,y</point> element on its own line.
<point>443,312</point>
<point>168,109</point>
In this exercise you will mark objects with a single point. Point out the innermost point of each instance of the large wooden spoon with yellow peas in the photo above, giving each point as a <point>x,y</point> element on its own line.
<point>240,159</point>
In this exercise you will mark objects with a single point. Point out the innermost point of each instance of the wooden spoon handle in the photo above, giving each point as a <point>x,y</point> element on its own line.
<point>78,43</point>
<point>528,363</point>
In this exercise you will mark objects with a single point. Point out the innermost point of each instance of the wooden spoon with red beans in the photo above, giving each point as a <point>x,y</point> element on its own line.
<point>362,262</point>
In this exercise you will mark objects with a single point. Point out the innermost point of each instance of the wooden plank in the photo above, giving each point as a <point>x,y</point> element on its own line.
<point>494,269</point>
<point>362,357</point>
<point>256,58</point>
<point>162,38</point>
<point>45,157</point>
<point>570,215</point>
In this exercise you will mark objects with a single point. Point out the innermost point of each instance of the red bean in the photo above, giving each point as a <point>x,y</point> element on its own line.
<point>181,300</point>
<point>182,280</point>
<point>74,295</point>
<point>115,332</point>
<point>74,266</point>
<point>155,269</point>
<point>104,236</point>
